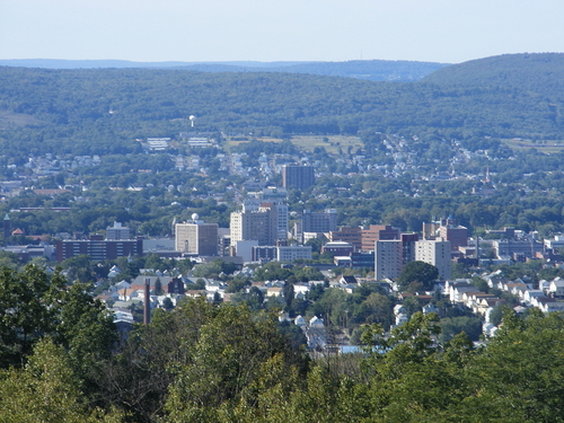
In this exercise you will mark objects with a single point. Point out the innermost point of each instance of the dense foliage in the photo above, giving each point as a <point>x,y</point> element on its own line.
<point>224,363</point>
<point>420,273</point>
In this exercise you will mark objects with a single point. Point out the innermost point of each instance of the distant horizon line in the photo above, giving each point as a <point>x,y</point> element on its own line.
<point>245,65</point>
<point>258,61</point>
<point>222,61</point>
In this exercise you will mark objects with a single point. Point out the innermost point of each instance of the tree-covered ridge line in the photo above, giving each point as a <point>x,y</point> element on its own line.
<point>224,363</point>
<point>69,110</point>
<point>374,70</point>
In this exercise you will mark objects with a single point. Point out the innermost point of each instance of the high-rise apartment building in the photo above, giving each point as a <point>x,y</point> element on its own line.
<point>197,238</point>
<point>97,248</point>
<point>437,253</point>
<point>391,255</point>
<point>388,259</point>
<point>297,177</point>
<point>408,241</point>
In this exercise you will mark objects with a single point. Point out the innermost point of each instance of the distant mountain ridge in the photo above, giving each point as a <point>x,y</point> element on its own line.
<point>91,111</point>
<point>508,70</point>
<point>372,70</point>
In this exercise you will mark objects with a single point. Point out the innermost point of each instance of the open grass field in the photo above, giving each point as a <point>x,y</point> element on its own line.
<point>331,143</point>
<point>238,140</point>
<point>544,146</point>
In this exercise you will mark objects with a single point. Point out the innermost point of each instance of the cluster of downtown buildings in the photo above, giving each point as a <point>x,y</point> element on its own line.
<point>259,232</point>
<point>263,230</point>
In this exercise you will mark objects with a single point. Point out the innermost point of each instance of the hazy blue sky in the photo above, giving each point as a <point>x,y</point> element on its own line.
<point>267,30</point>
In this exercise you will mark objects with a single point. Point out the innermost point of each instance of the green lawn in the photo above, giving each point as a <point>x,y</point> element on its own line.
<point>544,146</point>
<point>331,143</point>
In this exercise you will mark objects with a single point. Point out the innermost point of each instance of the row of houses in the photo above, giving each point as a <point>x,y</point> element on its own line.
<point>548,297</point>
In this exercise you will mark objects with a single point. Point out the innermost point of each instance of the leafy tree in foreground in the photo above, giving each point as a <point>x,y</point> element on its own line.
<point>515,378</point>
<point>451,326</point>
<point>25,314</point>
<point>47,390</point>
<point>34,304</point>
<point>226,363</point>
<point>518,376</point>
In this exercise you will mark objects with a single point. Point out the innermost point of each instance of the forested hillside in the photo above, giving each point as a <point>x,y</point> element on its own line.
<point>541,73</point>
<point>104,110</point>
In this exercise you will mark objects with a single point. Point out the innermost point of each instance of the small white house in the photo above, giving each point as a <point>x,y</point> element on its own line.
<point>316,322</point>
<point>556,287</point>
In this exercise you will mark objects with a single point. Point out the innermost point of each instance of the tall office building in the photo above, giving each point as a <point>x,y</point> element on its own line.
<point>430,230</point>
<point>297,177</point>
<point>197,238</point>
<point>118,231</point>
<point>255,225</point>
<point>437,253</point>
<point>447,230</point>
<point>263,217</point>
<point>456,235</point>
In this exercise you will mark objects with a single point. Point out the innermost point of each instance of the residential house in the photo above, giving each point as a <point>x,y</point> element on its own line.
<point>556,287</point>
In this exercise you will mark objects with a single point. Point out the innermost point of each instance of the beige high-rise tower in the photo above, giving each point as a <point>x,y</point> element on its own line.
<point>197,238</point>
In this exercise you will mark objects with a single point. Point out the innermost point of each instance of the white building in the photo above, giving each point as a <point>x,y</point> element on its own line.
<point>556,287</point>
<point>556,244</point>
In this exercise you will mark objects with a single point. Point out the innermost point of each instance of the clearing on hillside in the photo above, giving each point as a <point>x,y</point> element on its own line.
<point>542,146</point>
<point>331,143</point>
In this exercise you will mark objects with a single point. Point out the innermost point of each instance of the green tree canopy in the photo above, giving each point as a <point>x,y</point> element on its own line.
<point>47,390</point>
<point>418,271</point>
